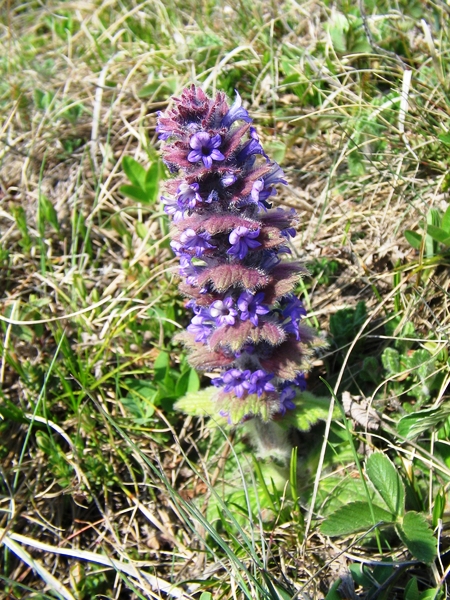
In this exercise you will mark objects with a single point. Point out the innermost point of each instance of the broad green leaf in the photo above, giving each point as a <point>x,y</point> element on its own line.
<point>445,224</point>
<point>135,193</point>
<point>134,171</point>
<point>188,381</point>
<point>152,179</point>
<point>161,366</point>
<point>439,235</point>
<point>432,594</point>
<point>353,517</point>
<point>410,426</point>
<point>417,536</point>
<point>194,381</point>
<point>413,238</point>
<point>333,593</point>
<point>206,596</point>
<point>387,482</point>
<point>412,590</point>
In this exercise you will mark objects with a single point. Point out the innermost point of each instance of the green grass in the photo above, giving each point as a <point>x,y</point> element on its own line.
<point>102,481</point>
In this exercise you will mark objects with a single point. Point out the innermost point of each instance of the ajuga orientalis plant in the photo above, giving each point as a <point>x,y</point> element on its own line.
<point>246,324</point>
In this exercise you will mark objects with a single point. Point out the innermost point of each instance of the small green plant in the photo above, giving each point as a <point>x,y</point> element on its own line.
<point>145,183</point>
<point>436,236</point>
<point>385,508</point>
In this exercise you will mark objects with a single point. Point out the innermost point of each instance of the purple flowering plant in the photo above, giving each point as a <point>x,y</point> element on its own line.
<point>231,245</point>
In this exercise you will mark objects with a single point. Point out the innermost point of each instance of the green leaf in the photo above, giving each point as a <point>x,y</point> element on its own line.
<point>194,381</point>
<point>445,224</point>
<point>276,150</point>
<point>333,593</point>
<point>47,214</point>
<point>439,235</point>
<point>199,403</point>
<point>161,366</point>
<point>188,381</point>
<point>410,426</point>
<point>439,507</point>
<point>391,361</point>
<point>141,230</point>
<point>141,400</point>
<point>134,171</point>
<point>206,596</point>
<point>445,138</point>
<point>412,590</point>
<point>417,536</point>
<point>10,411</point>
<point>135,193</point>
<point>308,411</point>
<point>387,482</point>
<point>413,238</point>
<point>338,28</point>
<point>152,179</point>
<point>431,594</point>
<point>353,517</point>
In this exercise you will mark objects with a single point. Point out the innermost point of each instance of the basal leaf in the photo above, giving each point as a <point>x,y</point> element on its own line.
<point>353,517</point>
<point>387,482</point>
<point>413,238</point>
<point>418,537</point>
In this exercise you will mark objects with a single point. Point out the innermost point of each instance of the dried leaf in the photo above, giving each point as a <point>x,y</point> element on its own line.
<point>359,410</point>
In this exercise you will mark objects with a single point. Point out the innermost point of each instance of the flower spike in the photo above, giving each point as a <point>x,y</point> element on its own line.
<point>230,242</point>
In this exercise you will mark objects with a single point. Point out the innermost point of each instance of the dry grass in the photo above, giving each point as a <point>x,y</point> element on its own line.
<point>89,300</point>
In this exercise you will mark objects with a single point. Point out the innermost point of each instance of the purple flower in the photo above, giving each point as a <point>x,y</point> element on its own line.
<point>172,207</point>
<point>251,306</point>
<point>260,383</point>
<point>200,328</point>
<point>223,311</point>
<point>204,147</point>
<point>292,311</point>
<point>241,240</point>
<point>252,147</point>
<point>233,380</point>
<point>199,242</point>
<point>236,112</point>
<point>201,324</point>
<point>287,396</point>
<point>228,179</point>
<point>188,196</point>
<point>269,260</point>
<point>188,270</point>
